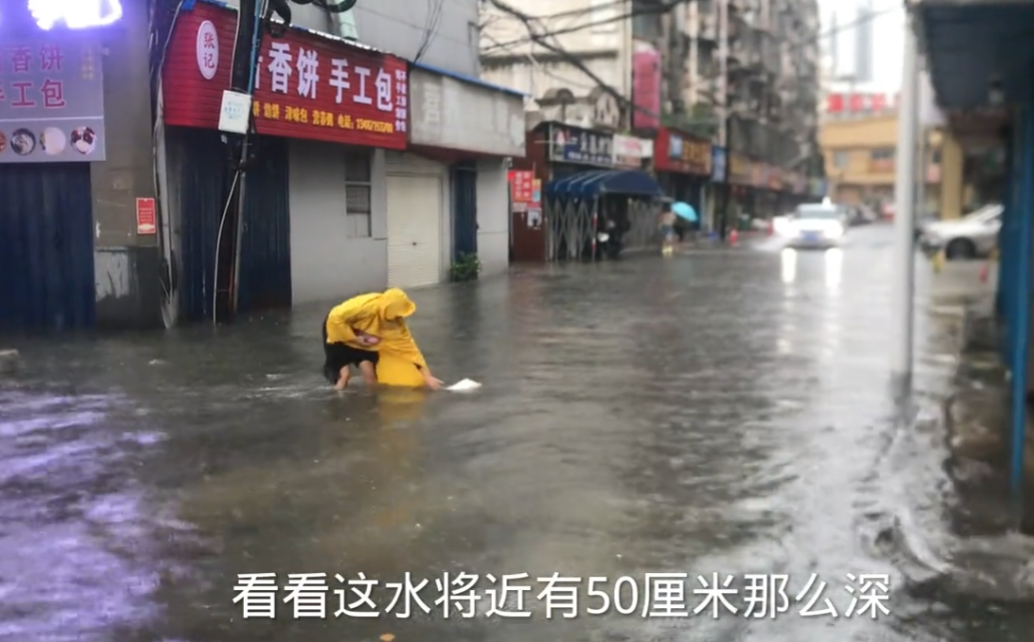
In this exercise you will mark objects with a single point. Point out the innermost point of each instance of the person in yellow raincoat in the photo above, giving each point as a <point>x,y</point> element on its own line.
<point>369,332</point>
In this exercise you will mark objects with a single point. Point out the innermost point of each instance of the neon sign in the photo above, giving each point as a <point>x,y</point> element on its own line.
<point>75,14</point>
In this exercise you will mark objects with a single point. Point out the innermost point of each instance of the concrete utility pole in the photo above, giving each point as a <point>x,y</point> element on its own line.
<point>724,111</point>
<point>903,284</point>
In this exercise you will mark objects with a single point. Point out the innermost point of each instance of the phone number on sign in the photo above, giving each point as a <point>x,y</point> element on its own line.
<point>466,595</point>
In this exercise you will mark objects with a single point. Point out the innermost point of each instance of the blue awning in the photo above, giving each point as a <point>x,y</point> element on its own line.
<point>968,43</point>
<point>605,181</point>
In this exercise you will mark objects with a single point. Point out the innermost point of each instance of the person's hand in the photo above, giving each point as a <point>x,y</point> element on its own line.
<point>434,383</point>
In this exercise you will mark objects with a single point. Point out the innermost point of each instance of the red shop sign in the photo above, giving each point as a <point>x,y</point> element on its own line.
<point>522,186</point>
<point>305,86</point>
<point>145,217</point>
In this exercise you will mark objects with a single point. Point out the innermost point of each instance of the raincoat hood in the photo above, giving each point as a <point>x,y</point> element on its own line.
<point>395,304</point>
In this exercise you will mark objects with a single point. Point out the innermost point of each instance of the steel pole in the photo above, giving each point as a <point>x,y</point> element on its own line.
<point>903,283</point>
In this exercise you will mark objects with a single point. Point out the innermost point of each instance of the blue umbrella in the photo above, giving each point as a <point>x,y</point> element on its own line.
<point>684,210</point>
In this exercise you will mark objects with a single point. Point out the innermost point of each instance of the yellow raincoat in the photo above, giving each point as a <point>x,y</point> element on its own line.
<point>381,314</point>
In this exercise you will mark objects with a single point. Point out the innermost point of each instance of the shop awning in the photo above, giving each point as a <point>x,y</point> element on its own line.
<point>608,181</point>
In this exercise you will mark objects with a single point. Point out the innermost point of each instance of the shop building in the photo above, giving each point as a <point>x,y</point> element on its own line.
<point>683,163</point>
<point>314,224</point>
<point>462,136</point>
<point>583,190</point>
<point>75,170</point>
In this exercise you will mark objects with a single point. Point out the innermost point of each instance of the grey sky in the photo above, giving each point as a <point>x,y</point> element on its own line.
<point>887,40</point>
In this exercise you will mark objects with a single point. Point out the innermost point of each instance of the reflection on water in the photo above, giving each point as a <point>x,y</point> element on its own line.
<point>637,416</point>
<point>788,265</point>
<point>834,259</point>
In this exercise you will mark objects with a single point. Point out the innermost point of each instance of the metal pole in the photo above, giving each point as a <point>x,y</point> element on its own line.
<point>921,147</point>
<point>904,202</point>
<point>1021,350</point>
<point>724,111</point>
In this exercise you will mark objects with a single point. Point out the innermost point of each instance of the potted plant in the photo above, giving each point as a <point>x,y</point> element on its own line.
<point>466,268</point>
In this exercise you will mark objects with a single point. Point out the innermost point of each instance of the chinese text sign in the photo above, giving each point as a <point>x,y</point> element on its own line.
<point>51,102</point>
<point>305,86</point>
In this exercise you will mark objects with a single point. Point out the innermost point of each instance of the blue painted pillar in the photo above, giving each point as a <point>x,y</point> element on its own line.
<point>1005,234</point>
<point>1011,226</point>
<point>1021,320</point>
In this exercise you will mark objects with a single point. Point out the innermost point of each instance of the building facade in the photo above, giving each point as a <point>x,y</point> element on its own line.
<point>742,75</point>
<point>363,170</point>
<point>77,244</point>
<point>860,164</point>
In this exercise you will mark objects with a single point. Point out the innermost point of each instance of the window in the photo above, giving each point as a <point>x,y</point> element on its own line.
<point>358,189</point>
<point>883,154</point>
<point>841,159</point>
<point>935,158</point>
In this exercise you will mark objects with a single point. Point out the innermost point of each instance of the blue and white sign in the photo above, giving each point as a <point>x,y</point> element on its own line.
<point>674,146</point>
<point>576,145</point>
<point>719,164</point>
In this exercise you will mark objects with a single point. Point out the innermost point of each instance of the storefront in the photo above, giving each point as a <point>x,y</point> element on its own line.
<point>71,253</point>
<point>684,166</point>
<point>583,193</point>
<point>314,224</point>
<point>447,197</point>
<point>741,180</point>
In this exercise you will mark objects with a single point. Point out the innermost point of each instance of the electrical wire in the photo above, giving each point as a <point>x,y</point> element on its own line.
<point>539,38</point>
<point>431,30</point>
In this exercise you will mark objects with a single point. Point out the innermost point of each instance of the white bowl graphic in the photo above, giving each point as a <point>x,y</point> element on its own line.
<point>53,141</point>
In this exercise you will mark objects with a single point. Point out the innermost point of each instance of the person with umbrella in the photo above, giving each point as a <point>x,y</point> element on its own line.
<point>686,214</point>
<point>667,225</point>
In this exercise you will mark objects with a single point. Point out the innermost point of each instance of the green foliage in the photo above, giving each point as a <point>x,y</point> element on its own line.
<point>700,121</point>
<point>466,268</point>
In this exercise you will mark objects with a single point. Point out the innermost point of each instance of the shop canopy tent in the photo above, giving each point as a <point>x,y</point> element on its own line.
<point>572,204</point>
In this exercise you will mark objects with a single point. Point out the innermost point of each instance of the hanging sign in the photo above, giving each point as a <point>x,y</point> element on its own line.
<point>146,218</point>
<point>682,153</point>
<point>576,145</point>
<point>306,85</point>
<point>51,102</point>
<point>522,186</point>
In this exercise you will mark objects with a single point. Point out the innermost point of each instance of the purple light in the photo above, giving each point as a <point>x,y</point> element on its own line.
<point>75,14</point>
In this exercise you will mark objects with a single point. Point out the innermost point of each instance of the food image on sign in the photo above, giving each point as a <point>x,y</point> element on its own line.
<point>3,142</point>
<point>23,142</point>
<point>84,140</point>
<point>53,141</point>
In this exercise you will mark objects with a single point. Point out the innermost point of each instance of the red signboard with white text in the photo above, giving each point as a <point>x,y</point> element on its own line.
<point>306,86</point>
<point>858,102</point>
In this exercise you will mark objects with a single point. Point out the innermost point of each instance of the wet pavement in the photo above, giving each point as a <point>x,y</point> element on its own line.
<point>721,412</point>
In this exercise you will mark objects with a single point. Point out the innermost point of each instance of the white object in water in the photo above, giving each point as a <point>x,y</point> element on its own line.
<point>464,386</point>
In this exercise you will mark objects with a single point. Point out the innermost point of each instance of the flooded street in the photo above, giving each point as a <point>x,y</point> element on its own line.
<point>720,412</point>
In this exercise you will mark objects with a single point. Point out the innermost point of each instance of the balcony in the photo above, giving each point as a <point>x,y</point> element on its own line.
<point>708,28</point>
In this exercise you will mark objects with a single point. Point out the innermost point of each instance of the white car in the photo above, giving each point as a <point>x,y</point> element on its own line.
<point>971,236</point>
<point>815,225</point>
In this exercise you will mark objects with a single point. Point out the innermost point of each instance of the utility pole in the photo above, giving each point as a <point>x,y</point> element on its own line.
<point>231,227</point>
<point>724,111</point>
<point>903,284</point>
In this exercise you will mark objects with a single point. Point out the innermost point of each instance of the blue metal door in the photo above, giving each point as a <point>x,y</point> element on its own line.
<point>265,259</point>
<point>46,247</point>
<point>202,181</point>
<point>265,266</point>
<point>464,209</point>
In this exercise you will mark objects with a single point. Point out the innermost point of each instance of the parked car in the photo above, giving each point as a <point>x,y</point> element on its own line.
<point>971,236</point>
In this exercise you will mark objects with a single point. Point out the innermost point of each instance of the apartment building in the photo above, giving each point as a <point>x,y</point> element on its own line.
<point>860,164</point>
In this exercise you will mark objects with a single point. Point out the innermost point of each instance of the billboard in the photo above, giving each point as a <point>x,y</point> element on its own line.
<point>646,87</point>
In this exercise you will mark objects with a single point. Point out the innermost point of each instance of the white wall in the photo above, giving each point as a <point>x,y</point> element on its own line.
<point>398,27</point>
<point>493,216</point>
<point>325,263</point>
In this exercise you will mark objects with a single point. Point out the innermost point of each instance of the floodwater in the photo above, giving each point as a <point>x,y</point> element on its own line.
<point>721,412</point>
